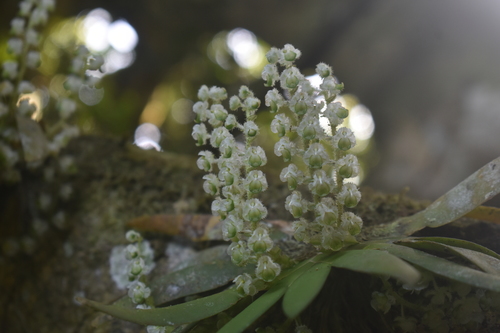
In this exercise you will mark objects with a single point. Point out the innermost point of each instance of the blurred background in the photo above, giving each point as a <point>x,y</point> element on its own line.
<point>422,77</point>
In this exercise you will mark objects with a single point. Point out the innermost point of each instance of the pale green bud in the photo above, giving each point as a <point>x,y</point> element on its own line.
<point>138,292</point>
<point>255,156</point>
<point>349,195</point>
<point>351,223</point>
<point>254,210</point>
<point>133,236</point>
<point>323,70</point>
<point>267,270</point>
<point>255,181</point>
<point>234,103</point>
<point>344,139</point>
<point>260,241</point>
<point>321,185</point>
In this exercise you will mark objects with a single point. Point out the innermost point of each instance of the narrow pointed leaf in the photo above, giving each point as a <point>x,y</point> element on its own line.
<point>463,244</point>
<point>481,186</point>
<point>485,262</point>
<point>442,266</point>
<point>172,315</point>
<point>304,289</point>
<point>372,262</point>
<point>258,307</point>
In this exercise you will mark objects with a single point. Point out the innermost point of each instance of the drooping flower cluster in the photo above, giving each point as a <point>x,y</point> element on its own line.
<point>234,180</point>
<point>322,219</point>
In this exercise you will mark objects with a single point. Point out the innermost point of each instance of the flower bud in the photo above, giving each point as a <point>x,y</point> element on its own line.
<point>131,251</point>
<point>280,125</point>
<point>349,195</point>
<point>260,241</point>
<point>230,122</point>
<point>273,55</point>
<point>136,267</point>
<point>344,139</point>
<point>290,78</point>
<point>217,94</point>
<point>300,229</point>
<point>231,226</point>
<point>267,269</point>
<point>245,92</point>
<point>256,182</point>
<point>203,93</point>
<point>351,223</point>
<point>218,135</point>
<point>205,160</point>
<point>211,184</point>
<point>284,148</point>
<point>227,147</point>
<point>323,70</point>
<point>289,55</point>
<point>321,185</point>
<point>138,292</point>
<point>239,253</point>
<point>294,204</point>
<point>218,112</point>
<point>255,157</point>
<point>348,166</point>
<point>326,212</point>
<point>254,210</point>
<point>270,75</point>
<point>331,239</point>
<point>133,236</point>
<point>250,129</point>
<point>315,156</point>
<point>274,100</point>
<point>201,110</point>
<point>292,175</point>
<point>244,285</point>
<point>200,134</point>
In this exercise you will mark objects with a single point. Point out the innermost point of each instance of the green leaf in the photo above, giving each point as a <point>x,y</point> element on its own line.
<point>463,244</point>
<point>172,315</point>
<point>442,266</point>
<point>258,307</point>
<point>481,186</point>
<point>372,262</point>
<point>304,289</point>
<point>485,262</point>
<point>196,279</point>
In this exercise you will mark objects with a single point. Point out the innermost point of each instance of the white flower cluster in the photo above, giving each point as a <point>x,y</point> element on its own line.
<point>236,183</point>
<point>322,221</point>
<point>321,211</point>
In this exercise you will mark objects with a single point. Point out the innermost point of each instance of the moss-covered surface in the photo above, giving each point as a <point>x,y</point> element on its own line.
<point>113,183</point>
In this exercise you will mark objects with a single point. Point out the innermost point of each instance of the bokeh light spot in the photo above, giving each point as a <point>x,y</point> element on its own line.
<point>147,137</point>
<point>122,36</point>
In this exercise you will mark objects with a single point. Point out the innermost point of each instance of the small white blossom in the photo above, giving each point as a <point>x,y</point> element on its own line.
<point>274,100</point>
<point>267,270</point>
<point>323,70</point>
<point>254,210</point>
<point>33,59</point>
<point>290,78</point>
<point>326,212</point>
<point>270,75</point>
<point>273,55</point>
<point>211,184</point>
<point>6,88</point>
<point>200,134</point>
<point>201,110</point>
<point>344,139</point>
<point>25,7</point>
<point>330,87</point>
<point>289,55</point>
<point>349,195</point>
<point>295,204</point>
<point>203,93</point>
<point>244,285</point>
<point>255,157</point>
<point>206,160</point>
<point>218,135</point>
<point>250,129</point>
<point>138,292</point>
<point>321,185</point>
<point>285,148</point>
<point>315,156</point>
<point>260,241</point>
<point>39,16</point>
<point>15,45</point>
<point>292,175</point>
<point>348,166</point>
<point>217,94</point>
<point>234,103</point>
<point>231,226</point>
<point>351,223</point>
<point>255,182</point>
<point>244,92</point>
<point>32,37</point>
<point>17,26</point>
<point>281,124</point>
